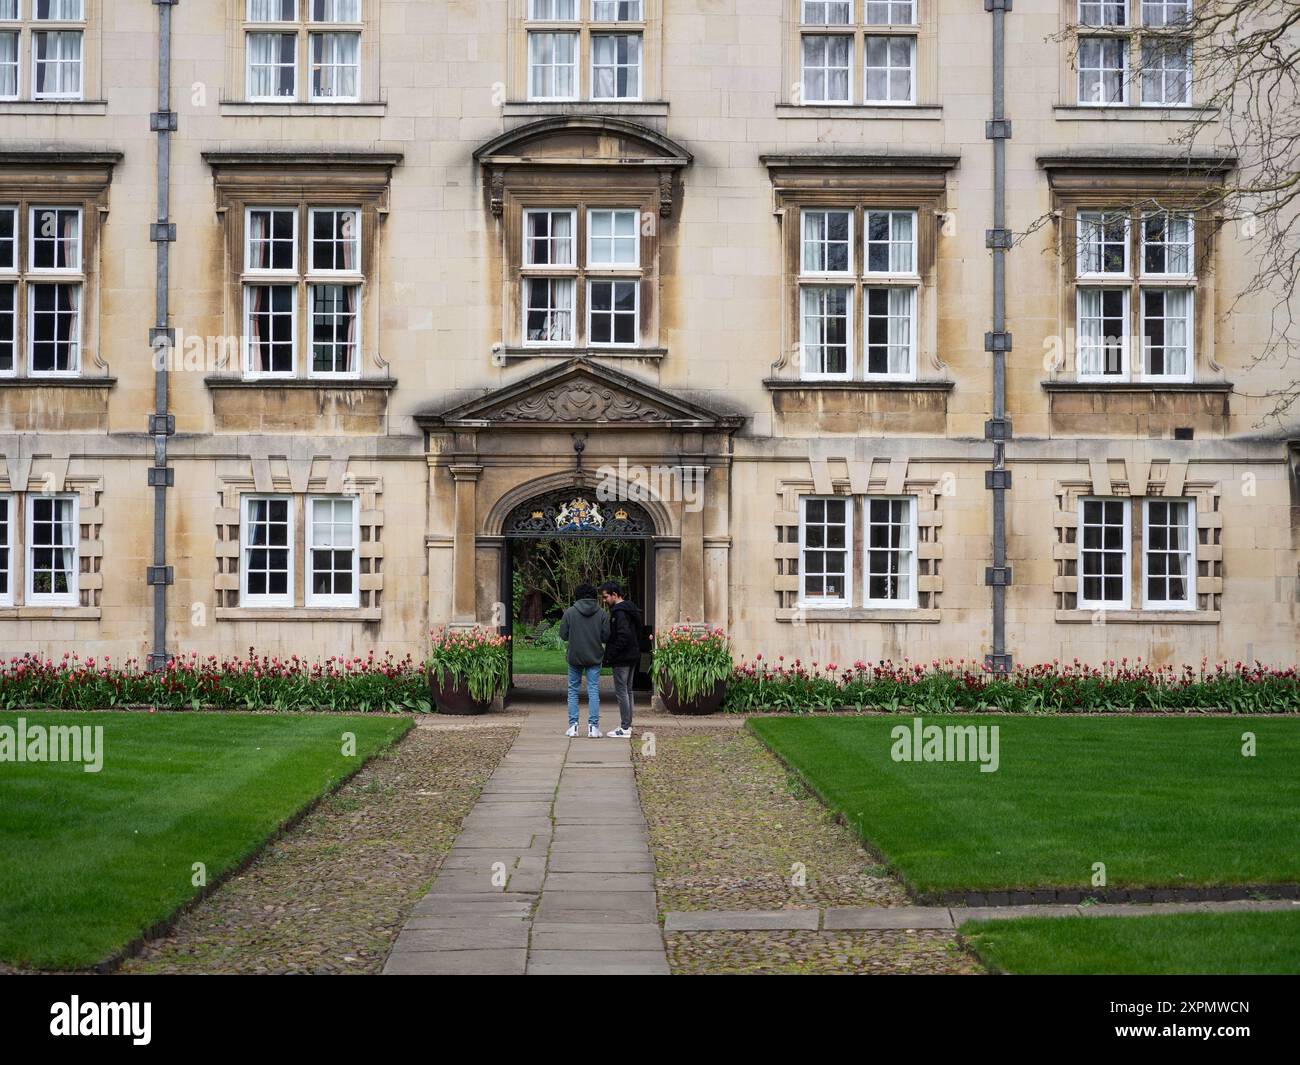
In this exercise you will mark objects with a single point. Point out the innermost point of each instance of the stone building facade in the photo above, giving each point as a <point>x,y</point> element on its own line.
<point>432,270</point>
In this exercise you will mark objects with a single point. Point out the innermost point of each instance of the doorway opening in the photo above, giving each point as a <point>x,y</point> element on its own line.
<point>552,544</point>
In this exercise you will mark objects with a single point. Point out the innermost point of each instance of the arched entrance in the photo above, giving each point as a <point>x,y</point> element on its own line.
<point>536,531</point>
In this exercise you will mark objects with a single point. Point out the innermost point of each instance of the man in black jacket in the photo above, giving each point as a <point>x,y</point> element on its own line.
<point>623,652</point>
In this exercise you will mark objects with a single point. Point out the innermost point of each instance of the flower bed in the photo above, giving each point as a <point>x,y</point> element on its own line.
<point>354,685</point>
<point>947,686</point>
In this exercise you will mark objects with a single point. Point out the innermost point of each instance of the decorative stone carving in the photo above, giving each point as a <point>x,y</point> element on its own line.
<point>579,401</point>
<point>497,196</point>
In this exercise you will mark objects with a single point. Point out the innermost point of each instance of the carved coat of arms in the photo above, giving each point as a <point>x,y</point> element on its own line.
<point>579,515</point>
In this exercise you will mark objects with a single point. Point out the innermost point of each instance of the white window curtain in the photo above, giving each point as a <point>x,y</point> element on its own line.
<point>58,10</point>
<point>259,240</point>
<point>616,11</point>
<point>1090,331</point>
<point>57,63</point>
<point>827,12</point>
<point>272,10</point>
<point>826,62</point>
<point>8,10</point>
<point>550,239</point>
<point>272,60</point>
<point>8,65</point>
<point>1166,322</point>
<point>336,10</point>
<point>616,66</point>
<point>901,303</point>
<point>902,241</point>
<point>335,63</point>
<point>552,63</point>
<point>553,10</point>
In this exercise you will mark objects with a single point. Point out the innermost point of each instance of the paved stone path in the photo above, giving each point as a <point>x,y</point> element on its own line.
<point>551,873</point>
<point>876,918</point>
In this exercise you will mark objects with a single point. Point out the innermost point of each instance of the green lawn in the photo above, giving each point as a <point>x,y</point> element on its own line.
<point>91,860</point>
<point>1160,801</point>
<point>542,660</point>
<point>1195,944</point>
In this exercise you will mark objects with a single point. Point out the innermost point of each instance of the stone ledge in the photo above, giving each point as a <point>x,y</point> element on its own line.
<point>305,109</point>
<point>54,107</point>
<point>902,615</point>
<point>57,382</point>
<point>49,613</point>
<point>773,384</point>
<point>520,352</point>
<point>297,614</point>
<point>621,108</point>
<point>869,112</point>
<point>1130,113</point>
<point>1207,387</point>
<point>1139,617</point>
<point>383,384</point>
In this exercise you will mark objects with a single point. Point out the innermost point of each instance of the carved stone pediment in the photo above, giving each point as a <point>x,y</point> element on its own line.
<point>579,394</point>
<point>581,148</point>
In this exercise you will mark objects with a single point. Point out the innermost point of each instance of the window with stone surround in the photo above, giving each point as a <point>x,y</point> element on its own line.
<point>301,238</point>
<point>1131,52</point>
<point>333,532</point>
<point>51,209</point>
<point>859,541</point>
<point>50,541</point>
<point>597,51</point>
<point>300,542</point>
<point>580,276</point>
<point>1137,274</point>
<point>309,257</point>
<point>304,53</point>
<point>320,38</point>
<point>860,248</point>
<point>267,551</point>
<point>869,53</point>
<point>1138,540</point>
<point>1135,285</point>
<point>43,49</point>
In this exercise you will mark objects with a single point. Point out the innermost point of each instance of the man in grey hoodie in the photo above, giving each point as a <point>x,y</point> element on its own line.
<point>585,628</point>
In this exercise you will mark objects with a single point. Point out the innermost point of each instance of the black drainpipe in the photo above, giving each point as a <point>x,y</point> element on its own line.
<point>998,343</point>
<point>162,340</point>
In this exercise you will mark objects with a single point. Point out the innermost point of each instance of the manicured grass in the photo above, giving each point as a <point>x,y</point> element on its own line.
<point>92,860</point>
<point>1160,801</point>
<point>1200,943</point>
<point>542,660</point>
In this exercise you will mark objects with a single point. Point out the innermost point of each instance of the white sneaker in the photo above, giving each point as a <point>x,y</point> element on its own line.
<point>620,733</point>
<point>573,730</point>
<point>593,732</point>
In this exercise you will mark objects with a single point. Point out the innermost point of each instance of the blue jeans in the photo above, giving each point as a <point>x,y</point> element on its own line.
<point>593,693</point>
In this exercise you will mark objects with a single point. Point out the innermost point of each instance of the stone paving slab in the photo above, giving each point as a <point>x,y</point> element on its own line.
<point>600,906</point>
<point>457,963</point>
<point>742,920</point>
<point>501,935</point>
<point>593,861</point>
<point>597,962</point>
<point>888,917</point>
<point>558,936</point>
<point>586,881</point>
